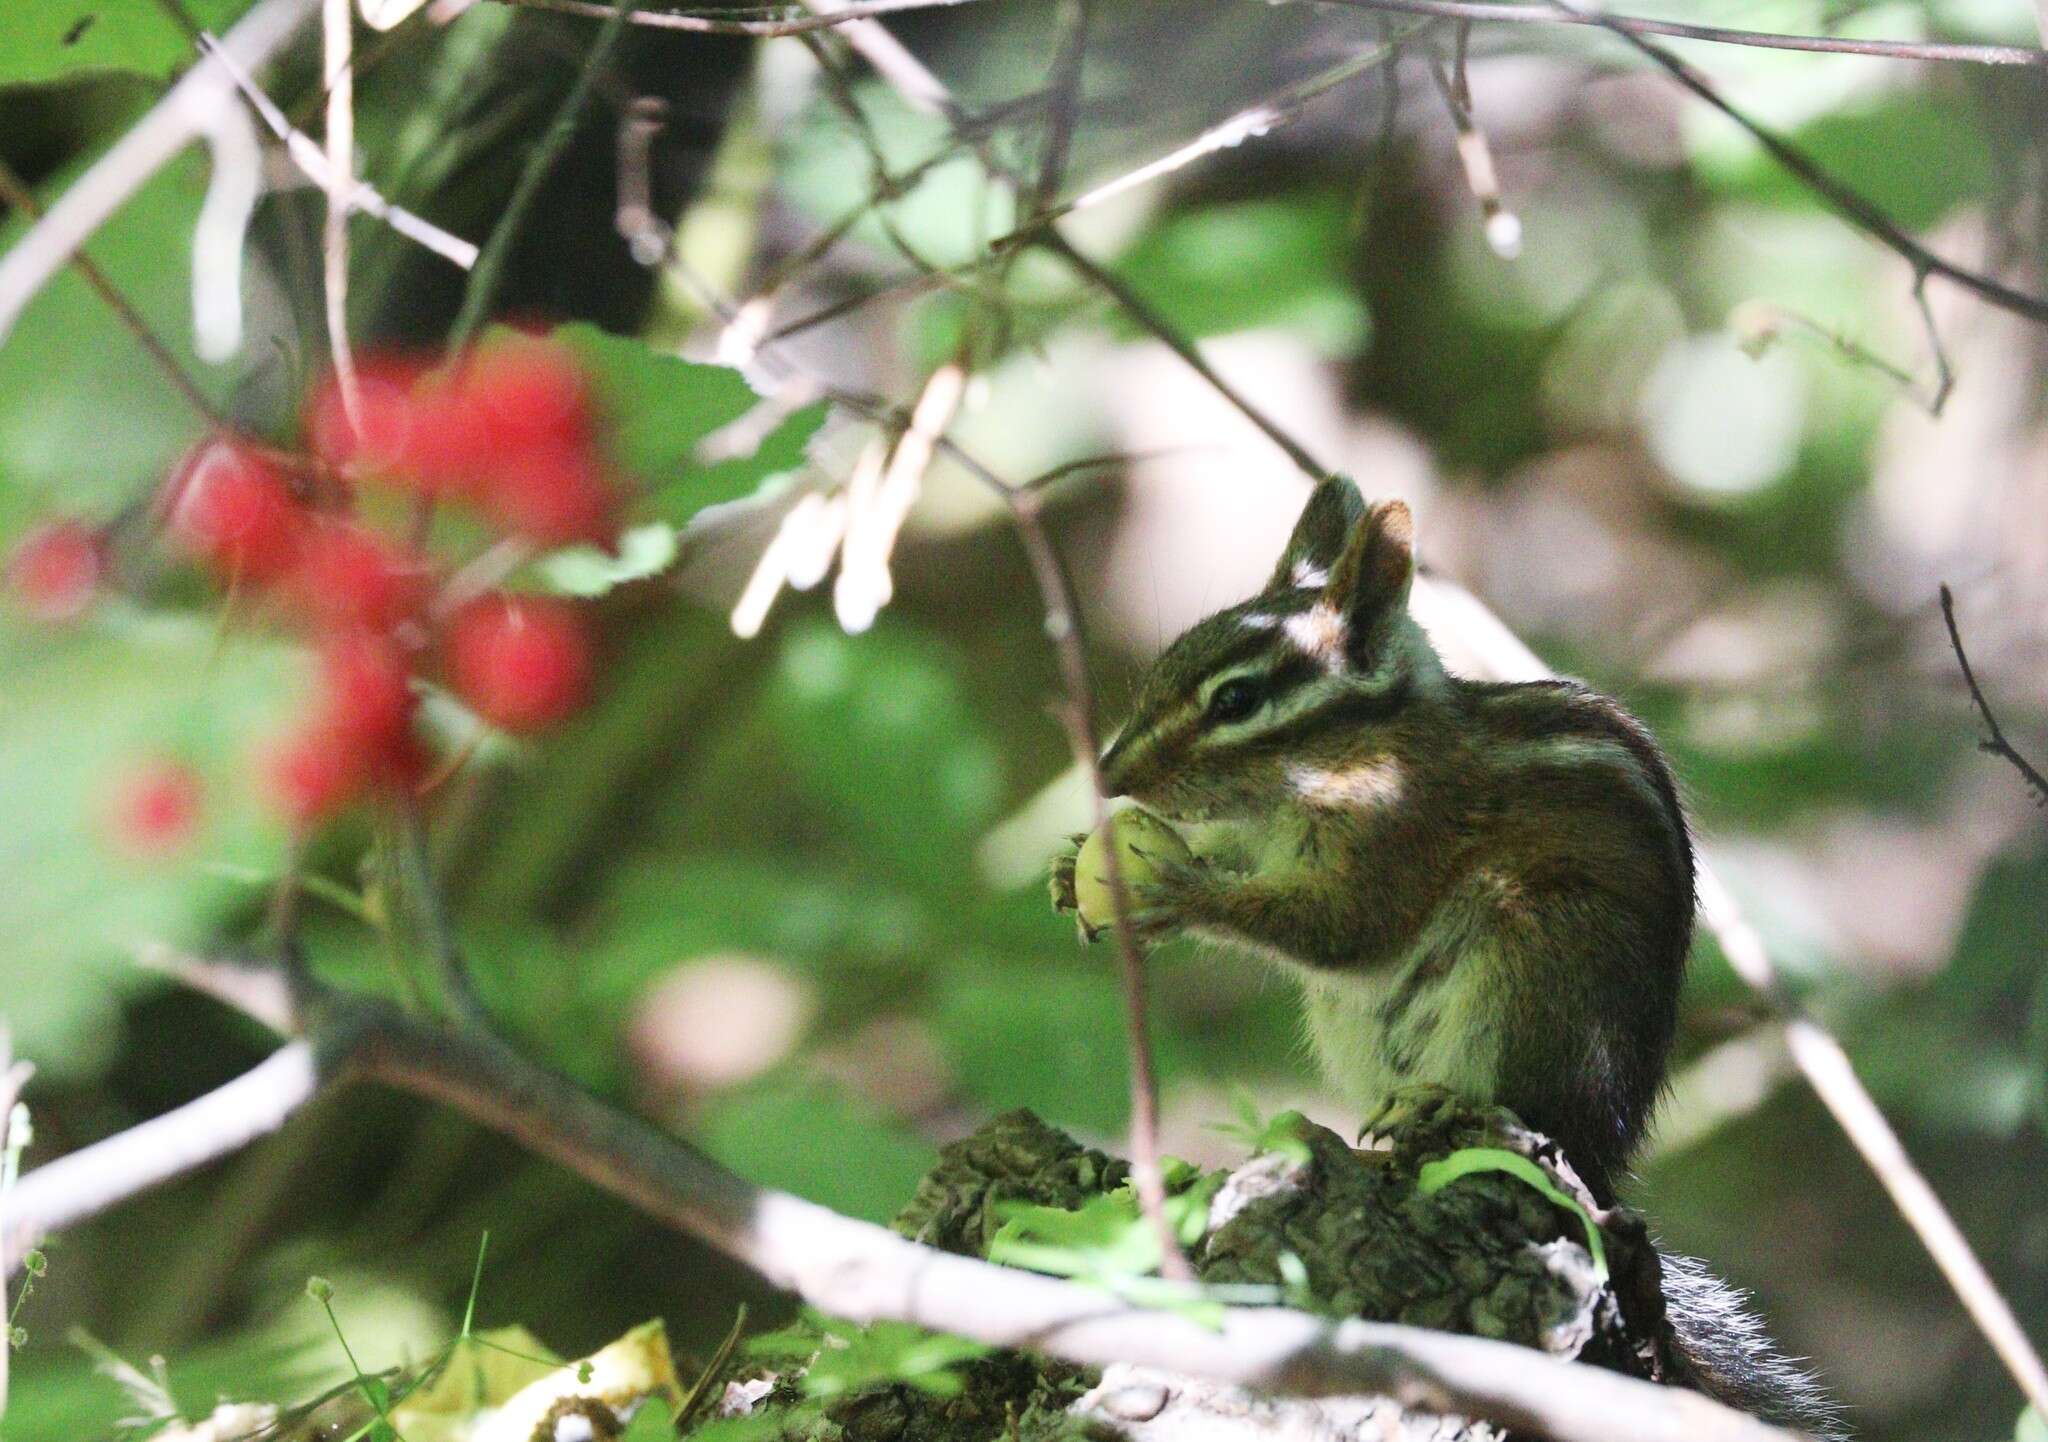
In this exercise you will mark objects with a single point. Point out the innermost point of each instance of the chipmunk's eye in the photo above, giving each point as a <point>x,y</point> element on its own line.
<point>1234,700</point>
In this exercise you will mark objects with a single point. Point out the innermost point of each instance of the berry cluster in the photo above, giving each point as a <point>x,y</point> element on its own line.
<point>512,433</point>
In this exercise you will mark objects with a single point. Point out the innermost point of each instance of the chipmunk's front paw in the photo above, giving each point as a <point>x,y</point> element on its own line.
<point>1167,900</point>
<point>1060,874</point>
<point>1425,1109</point>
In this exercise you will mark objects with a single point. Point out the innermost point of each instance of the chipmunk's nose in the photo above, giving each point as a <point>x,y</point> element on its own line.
<point>1116,764</point>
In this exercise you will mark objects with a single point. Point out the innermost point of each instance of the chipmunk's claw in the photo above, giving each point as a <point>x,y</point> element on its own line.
<point>1060,876</point>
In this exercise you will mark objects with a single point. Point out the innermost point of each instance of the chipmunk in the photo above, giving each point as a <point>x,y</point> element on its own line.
<point>1486,889</point>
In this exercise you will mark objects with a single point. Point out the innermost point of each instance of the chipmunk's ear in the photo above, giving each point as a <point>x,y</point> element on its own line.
<point>1319,535</point>
<point>1372,576</point>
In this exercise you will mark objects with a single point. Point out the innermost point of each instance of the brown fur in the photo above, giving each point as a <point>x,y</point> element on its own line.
<point>1511,857</point>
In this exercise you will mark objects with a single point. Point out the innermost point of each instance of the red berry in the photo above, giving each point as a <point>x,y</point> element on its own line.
<point>529,394</point>
<point>350,577</point>
<point>523,662</point>
<point>233,511</point>
<point>314,775</point>
<point>367,695</point>
<point>555,496</point>
<point>55,570</point>
<point>156,809</point>
<point>450,449</point>
<point>388,411</point>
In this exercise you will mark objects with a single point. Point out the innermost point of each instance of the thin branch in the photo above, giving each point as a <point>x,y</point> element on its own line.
<point>414,872</point>
<point>1996,745</point>
<point>310,160</point>
<point>1155,325</point>
<point>14,1076</point>
<point>17,195</point>
<point>337,46</point>
<point>1276,110</point>
<point>84,1183</point>
<point>1063,630</point>
<point>201,106</point>
<point>762,29</point>
<point>1846,201</point>
<point>1558,14</point>
<point>1475,154</point>
<point>855,1269</point>
<point>488,274</point>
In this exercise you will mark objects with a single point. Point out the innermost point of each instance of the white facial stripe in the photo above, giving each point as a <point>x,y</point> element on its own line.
<point>1258,621</point>
<point>1321,634</point>
<point>1371,785</point>
<point>1307,575</point>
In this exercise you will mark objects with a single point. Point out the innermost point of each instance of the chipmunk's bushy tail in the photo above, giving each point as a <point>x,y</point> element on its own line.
<point>1732,1359</point>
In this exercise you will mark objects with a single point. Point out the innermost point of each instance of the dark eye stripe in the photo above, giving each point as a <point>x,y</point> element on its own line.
<point>1361,708</point>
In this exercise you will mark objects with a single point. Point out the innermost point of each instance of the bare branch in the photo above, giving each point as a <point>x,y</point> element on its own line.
<point>1844,200</point>
<point>337,19</point>
<point>201,105</point>
<point>1556,14</point>
<point>86,1182</point>
<point>856,1269</point>
<point>312,162</point>
<point>1996,744</point>
<point>763,29</point>
<point>20,198</point>
<point>488,273</point>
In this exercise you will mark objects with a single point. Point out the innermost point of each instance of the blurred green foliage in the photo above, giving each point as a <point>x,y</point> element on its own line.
<point>820,807</point>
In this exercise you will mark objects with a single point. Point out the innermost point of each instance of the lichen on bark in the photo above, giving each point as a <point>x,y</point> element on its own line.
<point>1343,1231</point>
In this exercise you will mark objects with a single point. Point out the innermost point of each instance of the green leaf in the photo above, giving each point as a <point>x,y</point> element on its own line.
<point>586,571</point>
<point>662,408</point>
<point>46,40</point>
<point>844,1357</point>
<point>2032,1427</point>
<point>87,422</point>
<point>1104,1238</point>
<point>651,1421</point>
<point>82,706</point>
<point>1468,1161</point>
<point>1259,1135</point>
<point>885,742</point>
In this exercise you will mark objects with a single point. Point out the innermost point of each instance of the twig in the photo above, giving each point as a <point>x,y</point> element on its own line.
<point>86,1182</point>
<point>856,1269</point>
<point>1475,155</point>
<point>1063,629</point>
<point>1996,745</point>
<point>200,106</point>
<point>763,29</point>
<point>413,869</point>
<point>488,273</point>
<point>15,192</point>
<point>1557,14</point>
<point>1253,121</point>
<point>312,162</point>
<point>1155,325</point>
<point>337,43</point>
<point>13,1077</point>
<point>1846,201</point>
